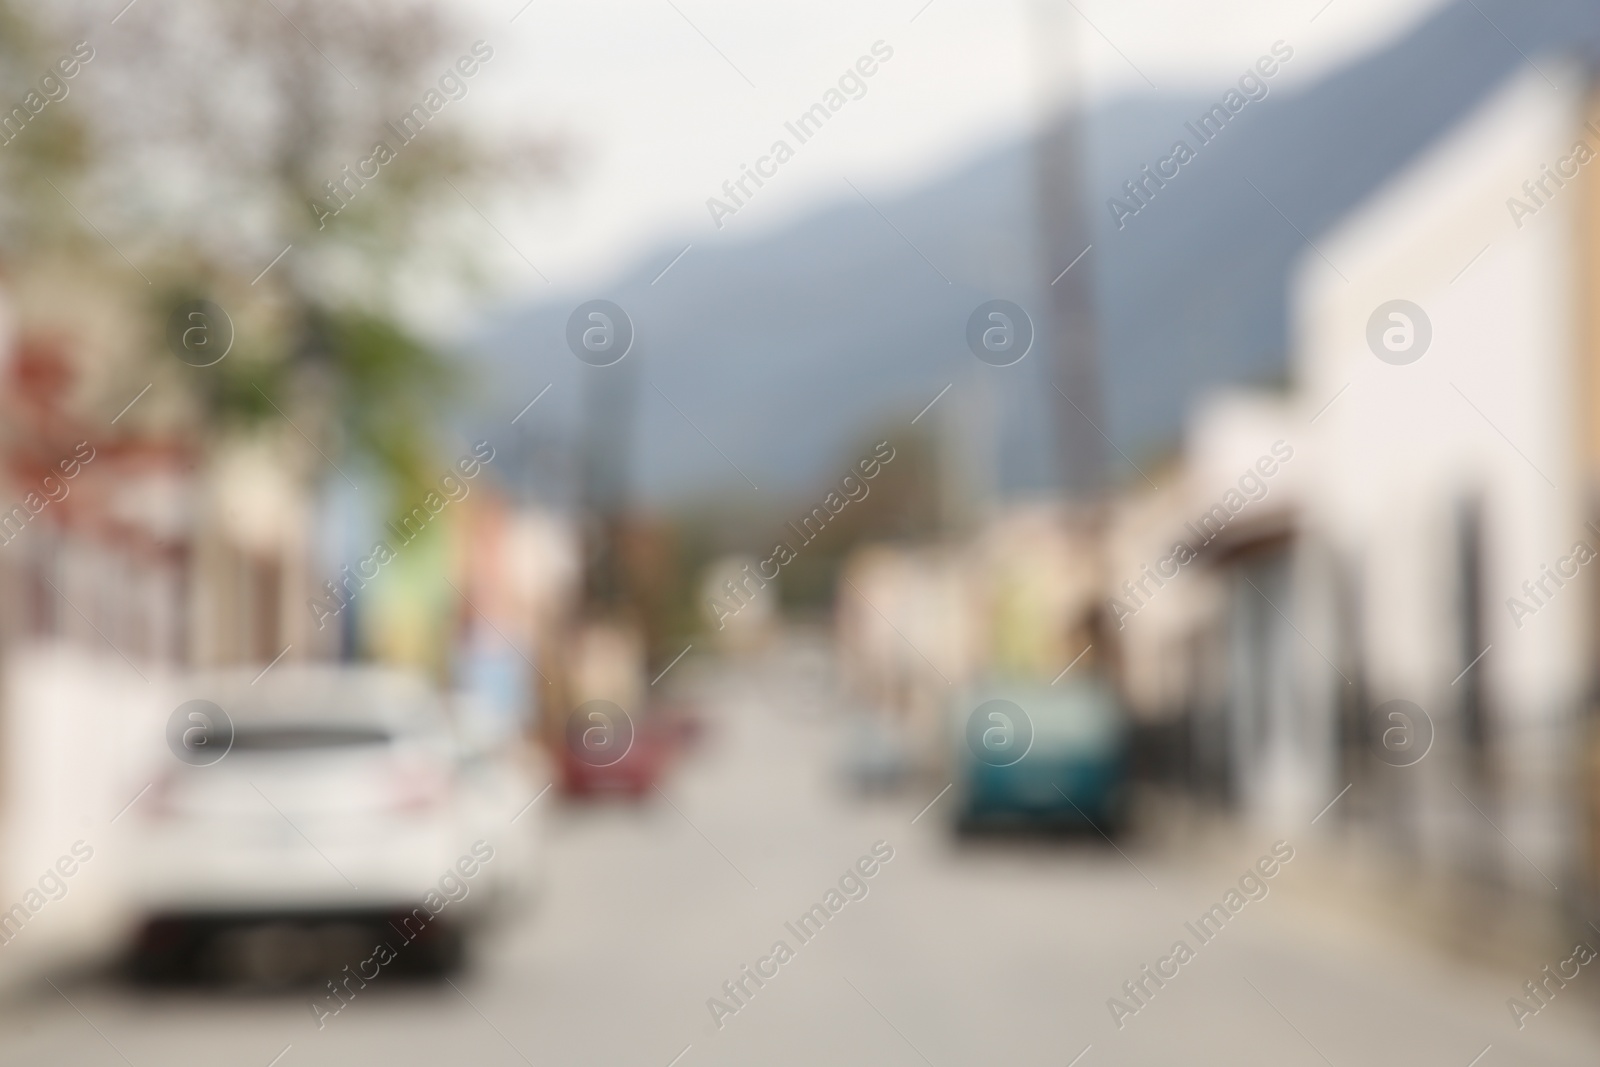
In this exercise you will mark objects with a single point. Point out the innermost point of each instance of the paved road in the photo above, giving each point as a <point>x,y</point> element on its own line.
<point>996,953</point>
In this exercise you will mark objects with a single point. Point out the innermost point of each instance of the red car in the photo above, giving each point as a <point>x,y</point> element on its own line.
<point>639,766</point>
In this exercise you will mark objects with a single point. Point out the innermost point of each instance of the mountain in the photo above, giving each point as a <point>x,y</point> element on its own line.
<point>787,350</point>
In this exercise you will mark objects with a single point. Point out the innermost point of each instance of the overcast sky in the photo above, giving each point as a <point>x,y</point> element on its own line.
<point>664,100</point>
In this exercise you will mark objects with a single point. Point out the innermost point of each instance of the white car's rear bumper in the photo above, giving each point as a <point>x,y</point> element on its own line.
<point>324,866</point>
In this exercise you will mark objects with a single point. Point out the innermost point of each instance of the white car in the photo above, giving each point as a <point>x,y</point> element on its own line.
<point>326,807</point>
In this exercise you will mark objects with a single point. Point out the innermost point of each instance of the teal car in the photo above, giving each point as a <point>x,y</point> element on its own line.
<point>1029,753</point>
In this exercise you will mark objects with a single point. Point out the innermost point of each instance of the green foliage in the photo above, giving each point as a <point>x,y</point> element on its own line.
<point>50,148</point>
<point>390,391</point>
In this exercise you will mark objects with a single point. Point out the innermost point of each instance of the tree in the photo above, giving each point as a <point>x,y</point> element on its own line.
<point>219,139</point>
<point>33,154</point>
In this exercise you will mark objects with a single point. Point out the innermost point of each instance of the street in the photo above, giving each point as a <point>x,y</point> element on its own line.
<point>947,953</point>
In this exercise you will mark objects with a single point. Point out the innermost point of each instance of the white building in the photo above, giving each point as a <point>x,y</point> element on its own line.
<point>1441,460</point>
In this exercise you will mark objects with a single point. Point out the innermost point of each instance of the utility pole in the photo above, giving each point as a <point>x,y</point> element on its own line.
<point>607,435</point>
<point>1061,187</point>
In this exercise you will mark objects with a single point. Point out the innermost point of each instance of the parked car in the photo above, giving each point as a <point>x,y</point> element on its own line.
<point>632,773</point>
<point>332,809</point>
<point>1033,754</point>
